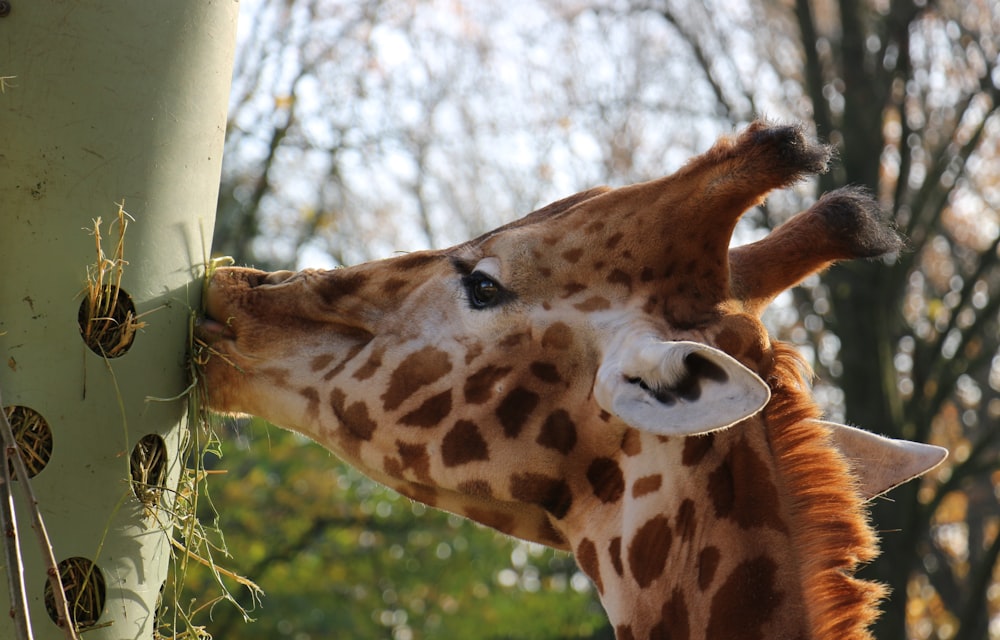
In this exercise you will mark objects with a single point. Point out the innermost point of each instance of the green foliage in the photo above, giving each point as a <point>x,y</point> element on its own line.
<point>340,556</point>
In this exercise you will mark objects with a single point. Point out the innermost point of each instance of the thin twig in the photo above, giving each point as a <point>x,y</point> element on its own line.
<point>12,549</point>
<point>246,582</point>
<point>51,567</point>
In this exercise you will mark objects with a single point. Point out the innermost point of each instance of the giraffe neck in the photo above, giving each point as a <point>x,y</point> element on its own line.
<point>728,545</point>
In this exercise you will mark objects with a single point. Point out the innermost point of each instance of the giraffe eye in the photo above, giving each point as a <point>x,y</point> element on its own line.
<point>483,292</point>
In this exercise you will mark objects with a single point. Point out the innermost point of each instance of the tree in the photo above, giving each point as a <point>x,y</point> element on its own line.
<point>910,93</point>
<point>362,128</point>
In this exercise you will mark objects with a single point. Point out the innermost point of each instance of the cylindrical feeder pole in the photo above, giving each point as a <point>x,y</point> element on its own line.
<point>104,102</point>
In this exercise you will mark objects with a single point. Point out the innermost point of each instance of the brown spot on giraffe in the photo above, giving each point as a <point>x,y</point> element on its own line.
<point>490,517</point>
<point>593,303</point>
<point>617,276</point>
<point>340,366</point>
<point>353,419</point>
<point>371,365</point>
<point>558,432</point>
<point>312,400</point>
<point>417,370</point>
<point>546,372</point>
<point>648,550</point>
<point>631,443</point>
<point>606,479</point>
<point>746,601</point>
<point>330,291</point>
<point>586,557</point>
<point>393,466</point>
<point>472,352</point>
<point>430,412</point>
<point>414,262</point>
<point>557,336</point>
<point>552,494</point>
<point>478,488</point>
<point>695,449</point>
<point>742,337</point>
<point>464,443</point>
<point>615,553</point>
<point>687,519</point>
<point>572,256</point>
<point>512,340</point>
<point>708,562</point>
<point>572,288</point>
<point>321,362</point>
<point>551,536</point>
<point>480,385</point>
<point>415,457</point>
<point>276,375</point>
<point>674,621</point>
<point>646,485</point>
<point>515,409</point>
<point>740,489</point>
<point>392,287</point>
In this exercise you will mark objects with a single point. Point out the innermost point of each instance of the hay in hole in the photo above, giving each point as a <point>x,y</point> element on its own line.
<point>148,466</point>
<point>107,317</point>
<point>86,593</point>
<point>112,332</point>
<point>33,436</point>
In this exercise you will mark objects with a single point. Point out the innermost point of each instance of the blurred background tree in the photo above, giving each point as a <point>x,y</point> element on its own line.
<point>360,128</point>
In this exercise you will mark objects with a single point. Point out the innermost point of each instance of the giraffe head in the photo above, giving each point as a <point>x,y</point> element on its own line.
<point>595,377</point>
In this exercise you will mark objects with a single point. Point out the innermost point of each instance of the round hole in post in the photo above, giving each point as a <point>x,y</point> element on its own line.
<point>33,436</point>
<point>148,465</point>
<point>86,593</point>
<point>107,320</point>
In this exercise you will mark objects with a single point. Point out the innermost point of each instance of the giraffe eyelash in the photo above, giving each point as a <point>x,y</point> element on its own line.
<point>484,292</point>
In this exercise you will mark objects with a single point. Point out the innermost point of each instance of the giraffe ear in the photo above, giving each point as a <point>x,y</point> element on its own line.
<point>881,463</point>
<point>677,388</point>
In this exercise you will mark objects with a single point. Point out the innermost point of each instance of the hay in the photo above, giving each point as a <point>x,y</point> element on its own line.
<point>33,436</point>
<point>197,546</point>
<point>148,467</point>
<point>85,591</point>
<point>107,318</point>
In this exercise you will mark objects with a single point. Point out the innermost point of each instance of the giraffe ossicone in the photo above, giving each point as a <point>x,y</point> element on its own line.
<point>596,377</point>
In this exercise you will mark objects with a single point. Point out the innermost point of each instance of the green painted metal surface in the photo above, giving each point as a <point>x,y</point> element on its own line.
<point>105,101</point>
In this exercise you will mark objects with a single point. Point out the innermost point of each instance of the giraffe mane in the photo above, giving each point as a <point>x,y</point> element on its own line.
<point>828,518</point>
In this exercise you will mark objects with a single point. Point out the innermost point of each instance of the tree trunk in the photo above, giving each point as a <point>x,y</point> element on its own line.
<point>863,306</point>
<point>104,102</point>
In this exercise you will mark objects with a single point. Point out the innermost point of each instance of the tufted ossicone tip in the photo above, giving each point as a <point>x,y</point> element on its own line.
<point>844,224</point>
<point>686,220</point>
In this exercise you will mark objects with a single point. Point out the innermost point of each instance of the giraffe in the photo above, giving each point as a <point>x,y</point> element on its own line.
<point>595,377</point>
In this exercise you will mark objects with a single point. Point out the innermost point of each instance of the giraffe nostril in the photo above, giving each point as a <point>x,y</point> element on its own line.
<point>209,329</point>
<point>276,277</point>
